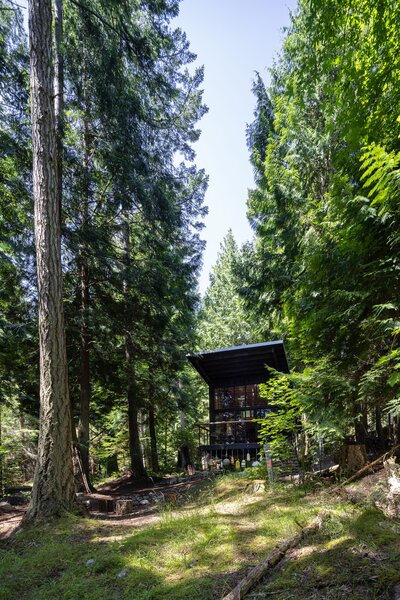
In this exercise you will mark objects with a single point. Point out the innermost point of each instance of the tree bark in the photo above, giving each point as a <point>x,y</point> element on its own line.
<point>59,95</point>
<point>112,464</point>
<point>1,460</point>
<point>359,426</point>
<point>53,485</point>
<point>379,428</point>
<point>84,383</point>
<point>84,388</point>
<point>135,450</point>
<point>153,442</point>
<point>352,457</point>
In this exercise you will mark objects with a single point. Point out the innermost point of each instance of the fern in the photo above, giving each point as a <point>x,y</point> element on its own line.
<point>381,175</point>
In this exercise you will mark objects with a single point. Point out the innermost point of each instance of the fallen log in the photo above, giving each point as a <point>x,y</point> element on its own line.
<point>273,558</point>
<point>367,467</point>
<point>328,472</point>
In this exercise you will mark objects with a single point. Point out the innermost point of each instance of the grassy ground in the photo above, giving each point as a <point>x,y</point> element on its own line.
<point>199,550</point>
<point>355,556</point>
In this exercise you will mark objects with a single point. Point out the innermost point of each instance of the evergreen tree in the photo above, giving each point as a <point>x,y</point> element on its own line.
<point>222,319</point>
<point>53,486</point>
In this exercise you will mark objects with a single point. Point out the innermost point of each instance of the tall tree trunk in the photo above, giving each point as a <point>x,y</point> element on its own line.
<point>53,485</point>
<point>379,428</point>
<point>137,463</point>
<point>153,442</point>
<point>84,383</point>
<point>135,450</point>
<point>84,390</point>
<point>359,426</point>
<point>81,483</point>
<point>59,95</point>
<point>1,460</point>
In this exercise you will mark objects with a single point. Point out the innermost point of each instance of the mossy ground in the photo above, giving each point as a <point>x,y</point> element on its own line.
<point>355,556</point>
<point>199,550</point>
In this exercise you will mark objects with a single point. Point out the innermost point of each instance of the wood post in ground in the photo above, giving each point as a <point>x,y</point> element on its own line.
<point>123,507</point>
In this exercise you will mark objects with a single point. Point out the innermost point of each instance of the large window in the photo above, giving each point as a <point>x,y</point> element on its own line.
<point>241,399</point>
<point>234,410</point>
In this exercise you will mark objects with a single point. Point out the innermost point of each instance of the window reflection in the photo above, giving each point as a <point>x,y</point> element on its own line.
<point>237,406</point>
<point>238,397</point>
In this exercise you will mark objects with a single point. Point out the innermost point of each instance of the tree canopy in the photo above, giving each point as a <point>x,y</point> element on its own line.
<point>324,145</point>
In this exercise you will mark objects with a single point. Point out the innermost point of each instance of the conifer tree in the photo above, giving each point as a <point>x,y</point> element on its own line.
<point>53,486</point>
<point>222,319</point>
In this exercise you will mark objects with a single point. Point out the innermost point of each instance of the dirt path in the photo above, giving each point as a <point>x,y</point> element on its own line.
<point>9,522</point>
<point>109,523</point>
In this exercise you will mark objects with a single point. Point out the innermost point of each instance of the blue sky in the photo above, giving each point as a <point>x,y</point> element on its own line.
<point>233,39</point>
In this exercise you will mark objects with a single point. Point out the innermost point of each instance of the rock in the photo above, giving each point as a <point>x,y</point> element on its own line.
<point>123,507</point>
<point>5,507</point>
<point>258,485</point>
<point>394,593</point>
<point>122,573</point>
<point>393,483</point>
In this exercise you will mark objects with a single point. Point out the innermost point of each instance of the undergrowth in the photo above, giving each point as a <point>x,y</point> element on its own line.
<point>198,550</point>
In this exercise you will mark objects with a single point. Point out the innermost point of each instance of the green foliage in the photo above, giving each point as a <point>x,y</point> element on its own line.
<point>18,439</point>
<point>223,321</point>
<point>323,267</point>
<point>283,423</point>
<point>18,348</point>
<point>304,408</point>
<point>381,175</point>
<point>132,209</point>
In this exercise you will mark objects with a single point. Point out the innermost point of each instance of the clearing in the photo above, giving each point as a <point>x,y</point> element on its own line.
<point>200,547</point>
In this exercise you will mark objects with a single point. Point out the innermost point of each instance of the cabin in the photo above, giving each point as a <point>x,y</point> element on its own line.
<point>233,376</point>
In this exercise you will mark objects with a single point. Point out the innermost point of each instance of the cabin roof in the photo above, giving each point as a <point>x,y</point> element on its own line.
<point>239,361</point>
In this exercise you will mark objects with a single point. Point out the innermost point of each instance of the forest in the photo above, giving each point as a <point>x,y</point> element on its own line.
<point>102,211</point>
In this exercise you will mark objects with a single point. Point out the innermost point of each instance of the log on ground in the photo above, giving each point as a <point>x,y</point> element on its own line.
<point>272,559</point>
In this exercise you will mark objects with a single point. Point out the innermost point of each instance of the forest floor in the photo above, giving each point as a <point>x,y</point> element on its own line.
<point>202,544</point>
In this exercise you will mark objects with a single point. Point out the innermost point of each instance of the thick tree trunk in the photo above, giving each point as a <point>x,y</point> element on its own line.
<point>135,450</point>
<point>352,457</point>
<point>53,486</point>
<point>153,442</point>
